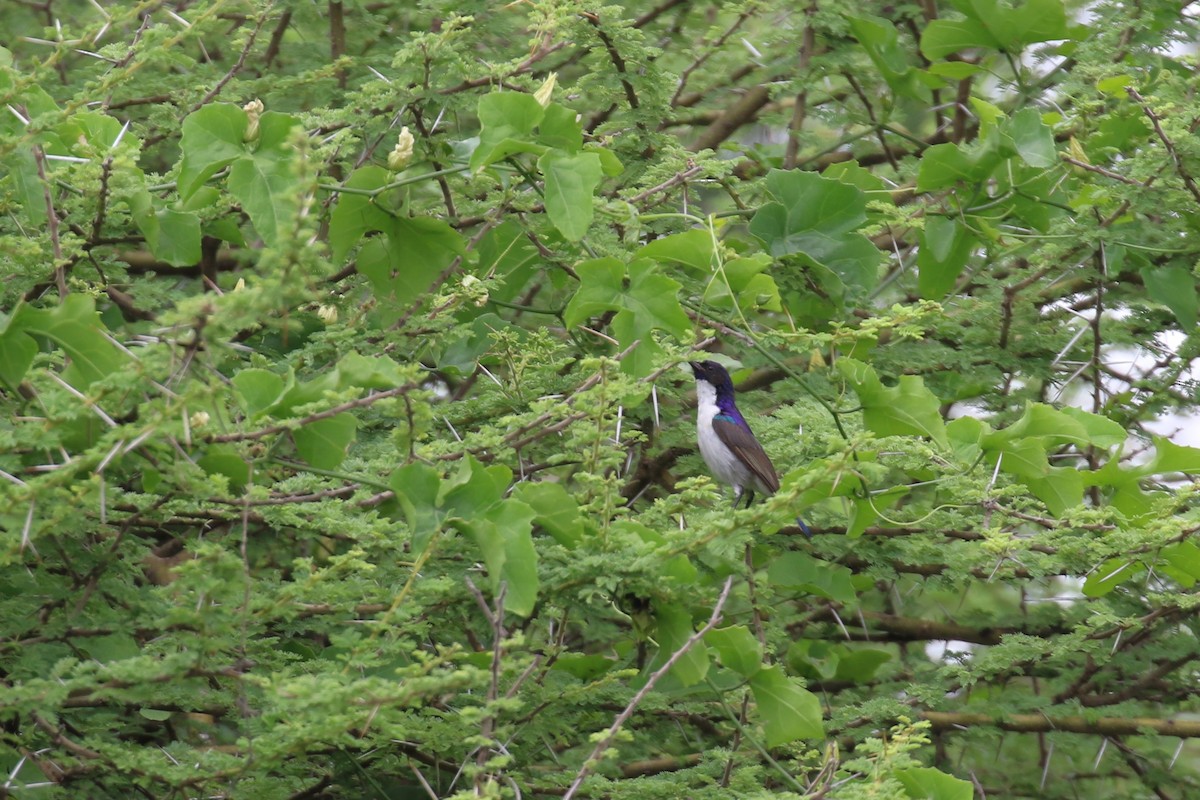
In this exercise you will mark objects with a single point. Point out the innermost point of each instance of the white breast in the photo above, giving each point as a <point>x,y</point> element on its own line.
<point>721,461</point>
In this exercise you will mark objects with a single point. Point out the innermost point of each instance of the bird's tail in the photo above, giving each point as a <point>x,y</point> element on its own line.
<point>807,531</point>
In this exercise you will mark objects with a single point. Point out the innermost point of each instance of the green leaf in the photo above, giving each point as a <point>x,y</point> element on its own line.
<point>266,182</point>
<point>946,244</point>
<point>860,666</point>
<point>571,181</point>
<point>818,217</point>
<point>403,267</point>
<point>257,389</point>
<point>76,328</point>
<point>787,711</point>
<point>1061,489</point>
<point>356,214</point>
<point>944,165</point>
<point>905,409</point>
<point>508,120</point>
<point>1100,431</point>
<point>503,536</point>
<point>560,129</point>
<point>554,509</point>
<point>418,487</point>
<point>324,442</point>
<point>220,459</point>
<point>1033,141</point>
<point>212,138</point>
<point>927,783</point>
<point>691,249</point>
<point>673,630</point>
<point>881,41</point>
<point>1110,575</point>
<point>1182,563</point>
<point>801,571</point>
<point>173,236</point>
<point>17,352</point>
<point>991,25</point>
<point>505,252</point>
<point>1175,288</point>
<point>1171,457</point>
<point>648,302</point>
<point>737,648</point>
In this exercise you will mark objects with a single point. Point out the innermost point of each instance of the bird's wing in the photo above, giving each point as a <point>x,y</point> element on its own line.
<point>741,441</point>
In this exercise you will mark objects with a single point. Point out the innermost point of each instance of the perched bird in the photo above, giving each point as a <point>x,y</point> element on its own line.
<point>726,442</point>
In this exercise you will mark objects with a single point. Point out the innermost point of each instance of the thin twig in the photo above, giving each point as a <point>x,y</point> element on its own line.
<point>592,760</point>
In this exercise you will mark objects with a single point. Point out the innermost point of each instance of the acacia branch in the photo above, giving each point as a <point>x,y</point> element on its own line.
<point>327,413</point>
<point>1040,723</point>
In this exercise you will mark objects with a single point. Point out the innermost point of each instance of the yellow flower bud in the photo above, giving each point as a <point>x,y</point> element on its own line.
<point>328,314</point>
<point>402,153</point>
<point>542,95</point>
<point>253,110</point>
<point>199,419</point>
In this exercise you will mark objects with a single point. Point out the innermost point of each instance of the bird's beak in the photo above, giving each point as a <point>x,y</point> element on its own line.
<point>695,365</point>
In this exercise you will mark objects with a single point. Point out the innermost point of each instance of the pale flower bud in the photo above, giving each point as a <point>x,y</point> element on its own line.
<point>328,314</point>
<point>402,153</point>
<point>240,285</point>
<point>542,95</point>
<point>199,419</point>
<point>253,110</point>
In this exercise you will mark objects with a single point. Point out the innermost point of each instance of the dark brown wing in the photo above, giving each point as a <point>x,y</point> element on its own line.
<point>743,443</point>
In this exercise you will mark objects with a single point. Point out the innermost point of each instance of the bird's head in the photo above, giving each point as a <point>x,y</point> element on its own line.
<point>713,373</point>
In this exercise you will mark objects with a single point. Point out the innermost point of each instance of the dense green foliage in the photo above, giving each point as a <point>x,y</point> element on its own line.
<point>347,450</point>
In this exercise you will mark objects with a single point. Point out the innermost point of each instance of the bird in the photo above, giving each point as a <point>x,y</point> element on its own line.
<point>727,444</point>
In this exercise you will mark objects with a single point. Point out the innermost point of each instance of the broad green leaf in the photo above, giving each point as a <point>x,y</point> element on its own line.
<point>905,409</point>
<point>691,249</point>
<point>221,459</point>
<point>737,648</point>
<point>571,181</point>
<point>946,244</point>
<point>265,182</point>
<point>258,389</point>
<point>403,267</point>
<point>506,252</point>
<point>418,487</point>
<point>881,41</point>
<point>673,630</point>
<point>324,442</point>
<point>16,356</point>
<point>649,302</point>
<point>818,217</point>
<point>1110,575</point>
<point>560,129</point>
<point>554,509</point>
<point>1100,431</point>
<point>1034,141</point>
<point>787,711</point>
<point>1175,288</point>
<point>927,783</point>
<point>804,573</point>
<point>1182,563</point>
<point>473,488</point>
<point>993,25</point>
<point>1171,457</point>
<point>173,236</point>
<point>944,165</point>
<point>1025,458</point>
<point>213,136</point>
<point>356,214</point>
<point>503,536</point>
<point>508,120</point>
<point>76,328</point>
<point>1060,489</point>
<point>860,666</point>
